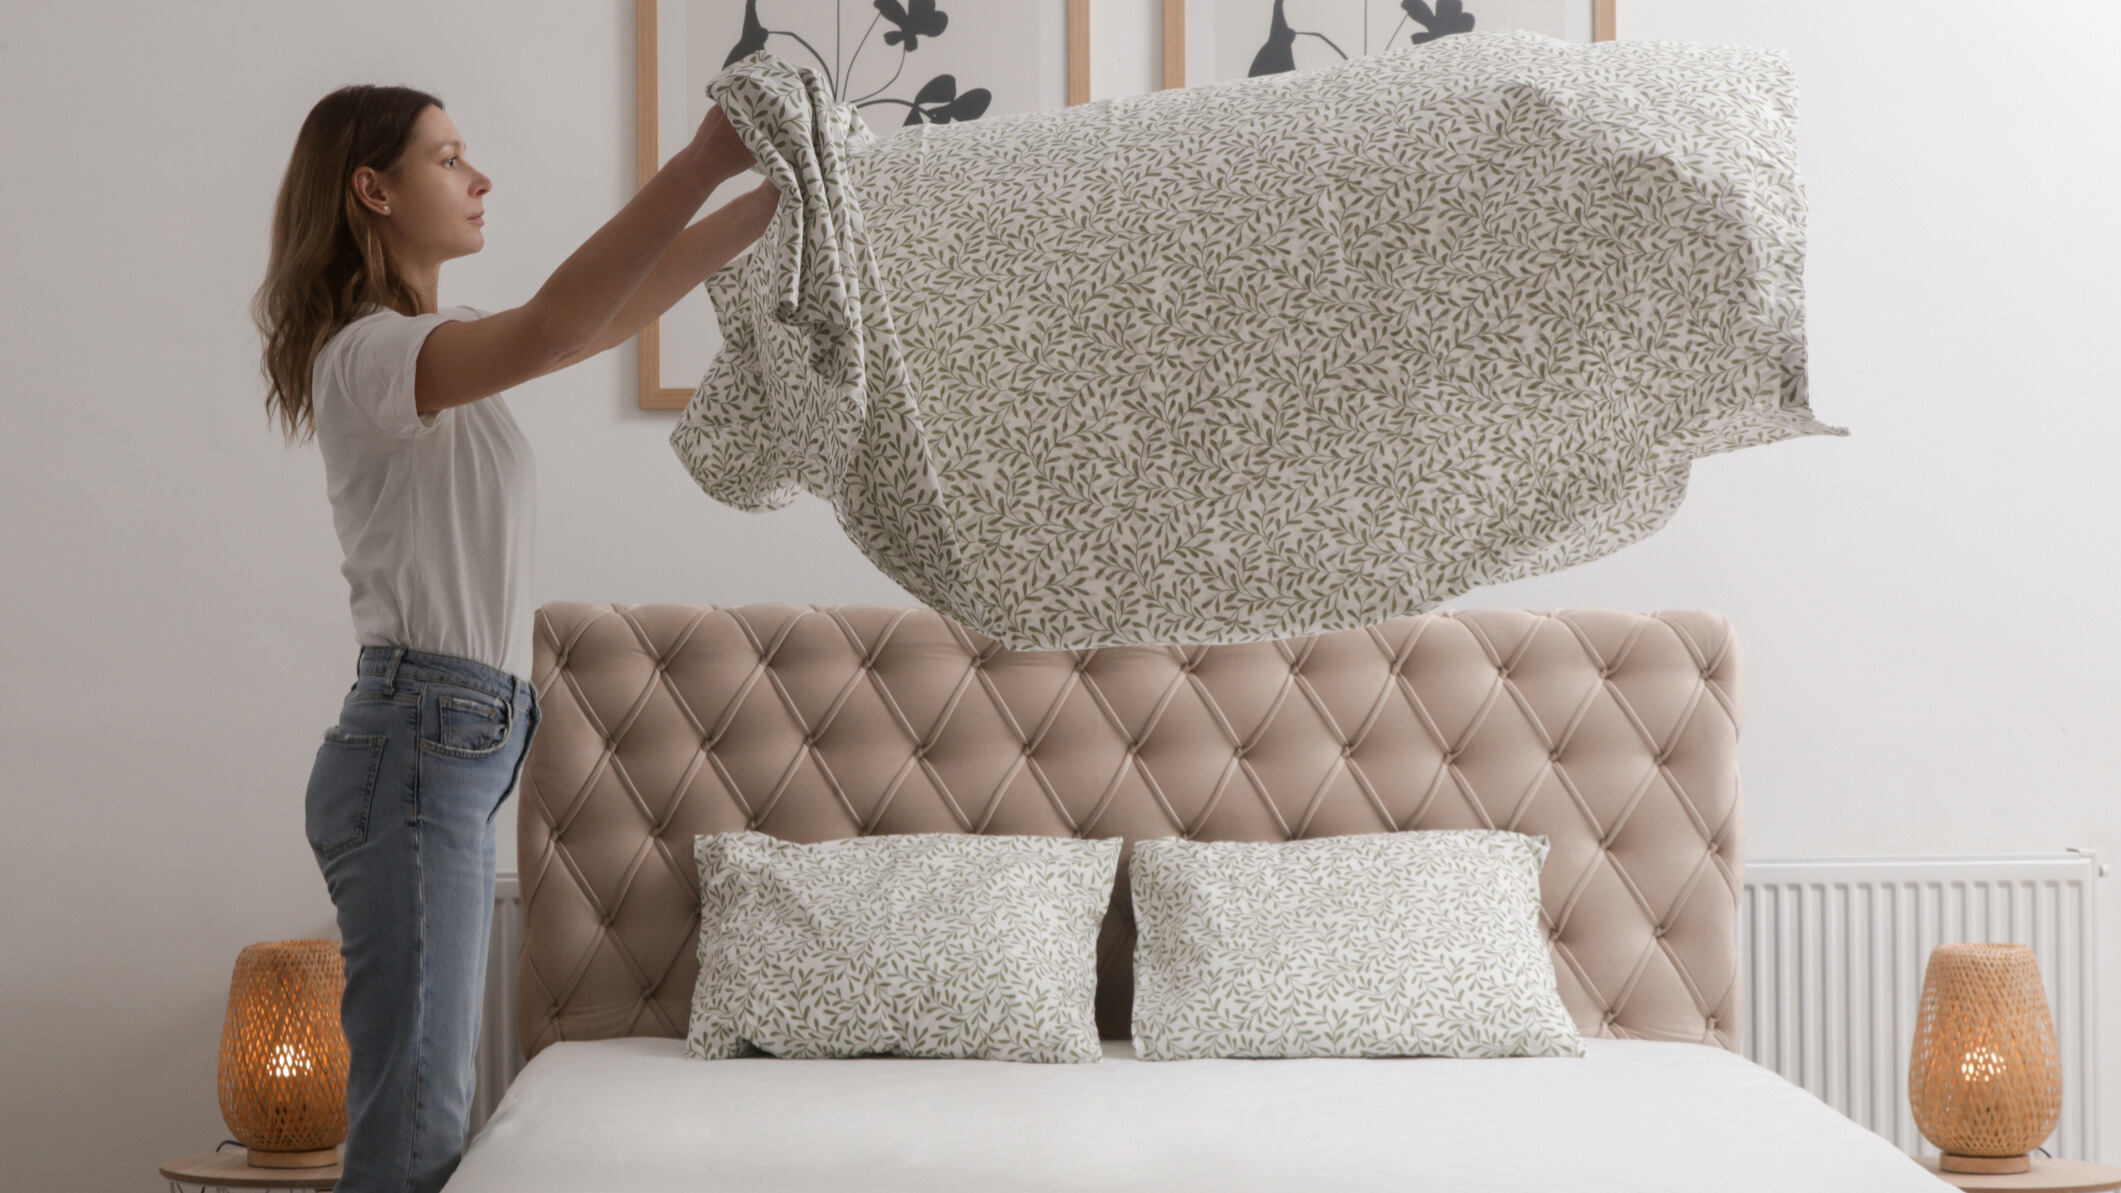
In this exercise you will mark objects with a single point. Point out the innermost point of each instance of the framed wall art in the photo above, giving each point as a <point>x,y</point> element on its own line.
<point>1206,41</point>
<point>898,61</point>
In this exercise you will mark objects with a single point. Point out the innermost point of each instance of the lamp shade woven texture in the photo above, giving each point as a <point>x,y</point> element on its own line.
<point>1985,1078</point>
<point>283,1053</point>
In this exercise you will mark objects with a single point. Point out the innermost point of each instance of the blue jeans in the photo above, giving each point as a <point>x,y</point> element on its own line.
<point>399,814</point>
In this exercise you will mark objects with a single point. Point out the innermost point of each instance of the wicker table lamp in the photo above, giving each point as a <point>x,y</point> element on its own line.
<point>283,1055</point>
<point>1985,1080</point>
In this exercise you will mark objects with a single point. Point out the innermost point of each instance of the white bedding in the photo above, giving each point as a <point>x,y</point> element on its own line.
<point>638,1116</point>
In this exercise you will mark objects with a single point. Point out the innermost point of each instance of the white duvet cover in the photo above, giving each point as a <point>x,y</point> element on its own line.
<point>638,1116</point>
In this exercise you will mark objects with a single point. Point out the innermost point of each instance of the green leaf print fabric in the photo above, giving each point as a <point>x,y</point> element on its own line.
<point>915,944</point>
<point>1267,357</point>
<point>1377,944</point>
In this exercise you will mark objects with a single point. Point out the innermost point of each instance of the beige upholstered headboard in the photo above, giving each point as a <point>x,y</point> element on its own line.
<point>1615,734</point>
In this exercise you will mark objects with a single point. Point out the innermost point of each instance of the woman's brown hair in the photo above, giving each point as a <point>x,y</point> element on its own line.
<point>327,259</point>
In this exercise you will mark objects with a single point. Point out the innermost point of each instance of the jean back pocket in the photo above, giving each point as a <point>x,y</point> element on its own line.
<point>342,786</point>
<point>470,727</point>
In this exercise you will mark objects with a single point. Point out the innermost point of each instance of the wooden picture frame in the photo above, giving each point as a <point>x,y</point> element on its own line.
<point>650,78</point>
<point>1603,23</point>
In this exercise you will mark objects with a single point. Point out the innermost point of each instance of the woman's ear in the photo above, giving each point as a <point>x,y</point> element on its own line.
<point>367,187</point>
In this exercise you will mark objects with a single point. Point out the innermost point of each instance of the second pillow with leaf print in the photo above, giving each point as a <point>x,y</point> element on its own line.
<point>1376,944</point>
<point>925,944</point>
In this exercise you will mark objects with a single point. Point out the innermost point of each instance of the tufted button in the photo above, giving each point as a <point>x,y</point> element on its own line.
<point>1611,1017</point>
<point>1554,755</point>
<point>1715,847</point>
<point>1711,1021</point>
<point>1347,749</point>
<point>1659,933</point>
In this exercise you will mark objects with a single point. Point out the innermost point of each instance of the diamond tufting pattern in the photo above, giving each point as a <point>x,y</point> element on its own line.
<point>1614,734</point>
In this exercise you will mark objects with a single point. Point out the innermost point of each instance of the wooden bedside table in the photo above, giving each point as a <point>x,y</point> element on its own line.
<point>2047,1176</point>
<point>230,1170</point>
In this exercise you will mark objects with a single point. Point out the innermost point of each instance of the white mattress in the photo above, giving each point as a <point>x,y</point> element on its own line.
<point>637,1116</point>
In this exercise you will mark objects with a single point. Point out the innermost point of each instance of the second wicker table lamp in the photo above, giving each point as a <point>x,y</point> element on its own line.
<point>1985,1077</point>
<point>283,1054</point>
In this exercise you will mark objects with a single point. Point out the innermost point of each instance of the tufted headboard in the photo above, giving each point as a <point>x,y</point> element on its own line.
<point>1615,734</point>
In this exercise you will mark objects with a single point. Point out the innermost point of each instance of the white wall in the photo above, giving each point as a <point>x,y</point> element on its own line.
<point>1925,605</point>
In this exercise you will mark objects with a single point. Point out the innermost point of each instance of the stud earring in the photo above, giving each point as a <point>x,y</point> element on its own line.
<point>386,209</point>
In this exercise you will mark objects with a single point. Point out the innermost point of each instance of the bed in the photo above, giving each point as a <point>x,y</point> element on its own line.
<point>1613,734</point>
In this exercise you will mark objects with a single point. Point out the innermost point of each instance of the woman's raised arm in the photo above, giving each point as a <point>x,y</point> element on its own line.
<point>698,251</point>
<point>462,362</point>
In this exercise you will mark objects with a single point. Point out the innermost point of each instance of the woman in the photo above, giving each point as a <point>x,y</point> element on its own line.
<point>431,489</point>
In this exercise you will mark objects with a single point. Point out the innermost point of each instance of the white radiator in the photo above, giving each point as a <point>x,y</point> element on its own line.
<point>1832,953</point>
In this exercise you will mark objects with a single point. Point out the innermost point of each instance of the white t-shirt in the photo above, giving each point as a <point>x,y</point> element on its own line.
<point>435,513</point>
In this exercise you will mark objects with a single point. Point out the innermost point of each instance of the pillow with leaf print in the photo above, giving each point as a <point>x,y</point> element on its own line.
<point>922,944</point>
<point>1377,944</point>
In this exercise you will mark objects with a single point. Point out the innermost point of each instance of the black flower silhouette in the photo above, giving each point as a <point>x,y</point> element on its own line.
<point>754,38</point>
<point>1450,17</point>
<point>939,103</point>
<point>1279,54</point>
<point>922,21</point>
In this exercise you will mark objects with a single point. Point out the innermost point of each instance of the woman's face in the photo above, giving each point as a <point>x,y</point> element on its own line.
<point>437,201</point>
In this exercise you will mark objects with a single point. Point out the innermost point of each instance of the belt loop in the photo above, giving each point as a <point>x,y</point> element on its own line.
<point>390,675</point>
